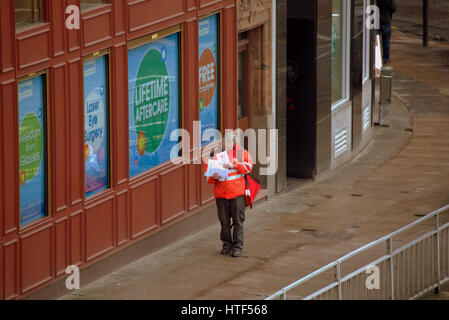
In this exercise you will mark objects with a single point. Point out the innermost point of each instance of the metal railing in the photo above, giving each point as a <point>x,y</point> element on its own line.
<point>419,266</point>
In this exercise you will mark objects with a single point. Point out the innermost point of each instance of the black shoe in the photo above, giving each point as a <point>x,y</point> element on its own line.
<point>236,253</point>
<point>225,251</point>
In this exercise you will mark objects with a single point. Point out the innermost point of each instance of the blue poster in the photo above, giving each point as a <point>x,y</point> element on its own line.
<point>153,81</point>
<point>96,125</point>
<point>208,73</point>
<point>32,146</point>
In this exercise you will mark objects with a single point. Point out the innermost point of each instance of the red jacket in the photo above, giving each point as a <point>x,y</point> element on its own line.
<point>234,185</point>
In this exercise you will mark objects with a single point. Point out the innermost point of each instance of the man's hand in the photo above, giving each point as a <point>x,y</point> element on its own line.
<point>229,166</point>
<point>216,176</point>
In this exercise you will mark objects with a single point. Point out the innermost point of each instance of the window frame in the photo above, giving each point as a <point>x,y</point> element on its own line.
<point>366,44</point>
<point>93,56</point>
<point>346,57</point>
<point>144,40</point>
<point>47,149</point>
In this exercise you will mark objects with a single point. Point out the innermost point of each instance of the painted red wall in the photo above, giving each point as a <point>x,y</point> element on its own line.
<point>78,231</point>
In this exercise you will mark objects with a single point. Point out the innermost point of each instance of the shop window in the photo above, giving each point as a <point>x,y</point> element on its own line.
<point>96,124</point>
<point>154,99</point>
<point>28,12</point>
<point>88,4</point>
<point>32,149</point>
<point>209,73</point>
<point>340,51</point>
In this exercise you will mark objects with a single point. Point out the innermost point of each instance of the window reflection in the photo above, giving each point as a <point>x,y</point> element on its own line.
<point>88,4</point>
<point>338,50</point>
<point>28,12</point>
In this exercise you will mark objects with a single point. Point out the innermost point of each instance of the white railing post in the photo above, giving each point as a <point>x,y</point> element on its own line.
<point>437,247</point>
<point>339,280</point>
<point>391,268</point>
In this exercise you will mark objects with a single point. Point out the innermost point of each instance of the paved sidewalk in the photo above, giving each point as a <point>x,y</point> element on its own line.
<point>403,173</point>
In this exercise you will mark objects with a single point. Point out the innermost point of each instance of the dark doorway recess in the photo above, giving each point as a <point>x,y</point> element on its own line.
<point>301,89</point>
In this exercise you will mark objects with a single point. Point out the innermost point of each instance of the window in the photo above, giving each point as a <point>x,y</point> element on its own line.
<point>32,149</point>
<point>28,12</point>
<point>340,51</point>
<point>366,44</point>
<point>96,124</point>
<point>209,84</point>
<point>154,100</point>
<point>88,4</point>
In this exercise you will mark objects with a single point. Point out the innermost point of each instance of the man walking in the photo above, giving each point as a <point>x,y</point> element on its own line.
<point>230,196</point>
<point>386,9</point>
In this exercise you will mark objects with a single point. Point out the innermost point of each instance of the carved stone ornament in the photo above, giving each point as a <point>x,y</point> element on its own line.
<point>244,5</point>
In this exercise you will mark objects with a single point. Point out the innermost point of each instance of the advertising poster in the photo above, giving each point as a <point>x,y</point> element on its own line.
<point>208,73</point>
<point>32,140</point>
<point>153,73</point>
<point>96,125</point>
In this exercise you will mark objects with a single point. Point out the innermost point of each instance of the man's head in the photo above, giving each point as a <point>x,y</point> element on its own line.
<point>230,140</point>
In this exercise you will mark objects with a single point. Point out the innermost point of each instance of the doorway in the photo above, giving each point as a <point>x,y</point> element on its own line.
<point>244,99</point>
<point>301,104</point>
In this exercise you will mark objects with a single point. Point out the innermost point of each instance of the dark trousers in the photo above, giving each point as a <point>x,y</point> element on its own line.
<point>231,209</point>
<point>385,31</point>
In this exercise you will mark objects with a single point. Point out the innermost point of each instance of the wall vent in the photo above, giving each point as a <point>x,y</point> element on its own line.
<point>366,118</point>
<point>340,142</point>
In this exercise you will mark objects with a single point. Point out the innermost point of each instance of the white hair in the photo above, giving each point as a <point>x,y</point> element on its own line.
<point>231,136</point>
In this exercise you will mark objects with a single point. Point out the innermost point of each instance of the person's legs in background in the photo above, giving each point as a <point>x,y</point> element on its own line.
<point>386,36</point>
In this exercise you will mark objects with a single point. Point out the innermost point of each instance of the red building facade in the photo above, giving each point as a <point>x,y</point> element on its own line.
<point>78,229</point>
